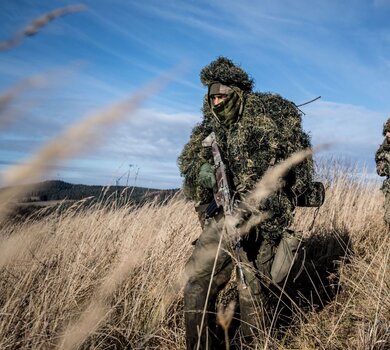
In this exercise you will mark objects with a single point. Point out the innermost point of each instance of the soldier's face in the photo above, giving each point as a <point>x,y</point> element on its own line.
<point>217,99</point>
<point>388,135</point>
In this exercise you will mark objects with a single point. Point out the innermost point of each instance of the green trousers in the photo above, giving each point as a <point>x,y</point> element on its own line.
<point>202,281</point>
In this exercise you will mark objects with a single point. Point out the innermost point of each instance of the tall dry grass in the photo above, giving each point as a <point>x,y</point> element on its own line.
<point>112,278</point>
<point>359,317</point>
<point>37,24</point>
<point>100,274</point>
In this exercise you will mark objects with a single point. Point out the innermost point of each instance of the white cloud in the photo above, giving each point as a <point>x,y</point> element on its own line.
<point>150,139</point>
<point>381,3</point>
<point>354,132</point>
<point>193,17</point>
<point>338,122</point>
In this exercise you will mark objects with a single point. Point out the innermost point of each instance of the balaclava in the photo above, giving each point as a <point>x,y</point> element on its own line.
<point>230,109</point>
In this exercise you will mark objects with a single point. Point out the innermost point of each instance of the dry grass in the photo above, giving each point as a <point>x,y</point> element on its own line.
<point>37,24</point>
<point>103,278</point>
<point>359,317</point>
<point>84,273</point>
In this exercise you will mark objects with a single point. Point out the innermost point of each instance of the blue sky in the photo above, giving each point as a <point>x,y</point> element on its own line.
<point>299,49</point>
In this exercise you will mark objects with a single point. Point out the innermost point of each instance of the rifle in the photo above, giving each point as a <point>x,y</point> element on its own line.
<point>223,198</point>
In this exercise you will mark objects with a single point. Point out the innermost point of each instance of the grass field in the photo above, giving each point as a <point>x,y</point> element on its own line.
<point>112,278</point>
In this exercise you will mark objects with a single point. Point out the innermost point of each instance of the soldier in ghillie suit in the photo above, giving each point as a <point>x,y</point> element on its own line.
<point>382,159</point>
<point>254,131</point>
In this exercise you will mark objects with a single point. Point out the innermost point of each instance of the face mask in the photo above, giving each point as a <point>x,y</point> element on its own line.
<point>229,110</point>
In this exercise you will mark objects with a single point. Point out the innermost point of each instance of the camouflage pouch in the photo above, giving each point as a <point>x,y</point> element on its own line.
<point>284,256</point>
<point>314,196</point>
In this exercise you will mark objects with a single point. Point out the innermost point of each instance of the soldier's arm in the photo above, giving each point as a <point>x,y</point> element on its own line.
<point>382,157</point>
<point>190,161</point>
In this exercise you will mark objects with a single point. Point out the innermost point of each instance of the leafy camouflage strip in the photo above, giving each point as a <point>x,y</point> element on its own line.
<point>386,127</point>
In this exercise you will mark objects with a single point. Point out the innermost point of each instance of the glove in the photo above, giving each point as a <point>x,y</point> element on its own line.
<point>207,176</point>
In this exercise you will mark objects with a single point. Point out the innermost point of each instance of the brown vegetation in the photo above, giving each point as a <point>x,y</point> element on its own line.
<point>35,26</point>
<point>112,277</point>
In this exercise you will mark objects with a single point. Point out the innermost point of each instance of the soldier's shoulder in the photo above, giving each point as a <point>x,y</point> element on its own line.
<point>255,114</point>
<point>272,104</point>
<point>201,127</point>
<point>271,97</point>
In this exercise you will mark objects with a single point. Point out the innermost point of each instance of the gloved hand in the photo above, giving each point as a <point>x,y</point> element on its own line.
<point>207,176</point>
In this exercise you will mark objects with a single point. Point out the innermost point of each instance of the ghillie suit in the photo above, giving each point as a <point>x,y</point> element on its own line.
<point>382,160</point>
<point>254,131</point>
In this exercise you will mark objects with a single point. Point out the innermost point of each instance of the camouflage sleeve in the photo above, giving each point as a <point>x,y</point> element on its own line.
<point>190,160</point>
<point>382,158</point>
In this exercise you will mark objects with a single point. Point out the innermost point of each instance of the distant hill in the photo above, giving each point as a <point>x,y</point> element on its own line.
<point>43,198</point>
<point>55,190</point>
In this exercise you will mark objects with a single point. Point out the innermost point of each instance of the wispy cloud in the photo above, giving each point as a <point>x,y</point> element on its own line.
<point>381,3</point>
<point>125,56</point>
<point>212,26</point>
<point>355,132</point>
<point>153,141</point>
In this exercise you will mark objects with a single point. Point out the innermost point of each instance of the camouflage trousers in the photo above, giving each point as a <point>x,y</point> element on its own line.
<point>386,204</point>
<point>199,271</point>
<point>387,208</point>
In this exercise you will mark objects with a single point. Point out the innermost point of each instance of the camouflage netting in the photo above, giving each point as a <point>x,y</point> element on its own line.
<point>386,127</point>
<point>382,159</point>
<point>268,132</point>
<point>224,71</point>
